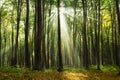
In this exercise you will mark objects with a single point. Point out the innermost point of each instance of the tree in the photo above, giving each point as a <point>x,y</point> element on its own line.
<point>43,59</point>
<point>48,33</point>
<point>12,41</point>
<point>19,5</point>
<point>98,38</point>
<point>74,29</point>
<point>118,15</point>
<point>60,64</point>
<point>38,35</point>
<point>85,49</point>
<point>118,19</point>
<point>0,37</point>
<point>27,53</point>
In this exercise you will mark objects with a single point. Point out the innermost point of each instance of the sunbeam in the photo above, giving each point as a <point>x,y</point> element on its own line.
<point>66,34</point>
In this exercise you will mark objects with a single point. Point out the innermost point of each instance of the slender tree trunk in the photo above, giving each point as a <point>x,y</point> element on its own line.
<point>12,25</point>
<point>113,31</point>
<point>60,66</point>
<point>92,42</point>
<point>74,24</point>
<point>85,49</point>
<point>118,18</point>
<point>27,53</point>
<point>116,48</point>
<point>48,34</point>
<point>118,15</point>
<point>98,38</point>
<point>5,42</point>
<point>35,32</point>
<point>17,32</point>
<point>44,61</point>
<point>95,30</point>
<point>52,50</point>
<point>92,24</point>
<point>0,39</point>
<point>74,33</point>
<point>38,35</point>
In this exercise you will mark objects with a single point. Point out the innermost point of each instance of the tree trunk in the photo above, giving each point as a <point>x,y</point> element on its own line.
<point>38,35</point>
<point>118,15</point>
<point>98,38</point>
<point>44,61</point>
<point>17,32</point>
<point>5,42</point>
<point>48,34</point>
<point>74,33</point>
<point>52,50</point>
<point>27,53</point>
<point>0,39</point>
<point>35,32</point>
<point>85,49</point>
<point>60,66</point>
<point>118,18</point>
<point>112,13</point>
<point>12,25</point>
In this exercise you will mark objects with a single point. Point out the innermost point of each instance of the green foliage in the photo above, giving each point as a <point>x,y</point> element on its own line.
<point>3,12</point>
<point>109,68</point>
<point>15,73</point>
<point>53,75</point>
<point>11,69</point>
<point>106,68</point>
<point>69,73</point>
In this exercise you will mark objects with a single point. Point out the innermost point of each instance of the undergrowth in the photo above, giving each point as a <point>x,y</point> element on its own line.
<point>69,73</point>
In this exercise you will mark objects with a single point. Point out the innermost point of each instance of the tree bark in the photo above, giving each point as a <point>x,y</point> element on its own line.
<point>44,61</point>
<point>27,53</point>
<point>38,36</point>
<point>48,34</point>
<point>118,15</point>
<point>60,66</point>
<point>12,25</point>
<point>118,19</point>
<point>85,49</point>
<point>0,39</point>
<point>17,32</point>
<point>98,38</point>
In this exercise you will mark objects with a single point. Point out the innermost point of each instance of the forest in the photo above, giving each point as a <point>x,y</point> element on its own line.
<point>59,39</point>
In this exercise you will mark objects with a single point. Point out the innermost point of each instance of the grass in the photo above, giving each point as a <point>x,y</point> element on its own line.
<point>106,68</point>
<point>13,73</point>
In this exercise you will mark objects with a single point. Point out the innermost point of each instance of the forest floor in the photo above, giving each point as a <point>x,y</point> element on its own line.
<point>54,75</point>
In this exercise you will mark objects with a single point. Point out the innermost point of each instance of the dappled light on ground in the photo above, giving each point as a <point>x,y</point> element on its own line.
<point>35,75</point>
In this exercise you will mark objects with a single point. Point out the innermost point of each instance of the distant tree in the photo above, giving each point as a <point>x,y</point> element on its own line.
<point>5,42</point>
<point>98,38</point>
<point>114,37</point>
<point>52,49</point>
<point>92,29</point>
<point>48,33</point>
<point>12,35</point>
<point>0,37</point>
<point>44,60</point>
<point>74,30</point>
<point>15,59</point>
